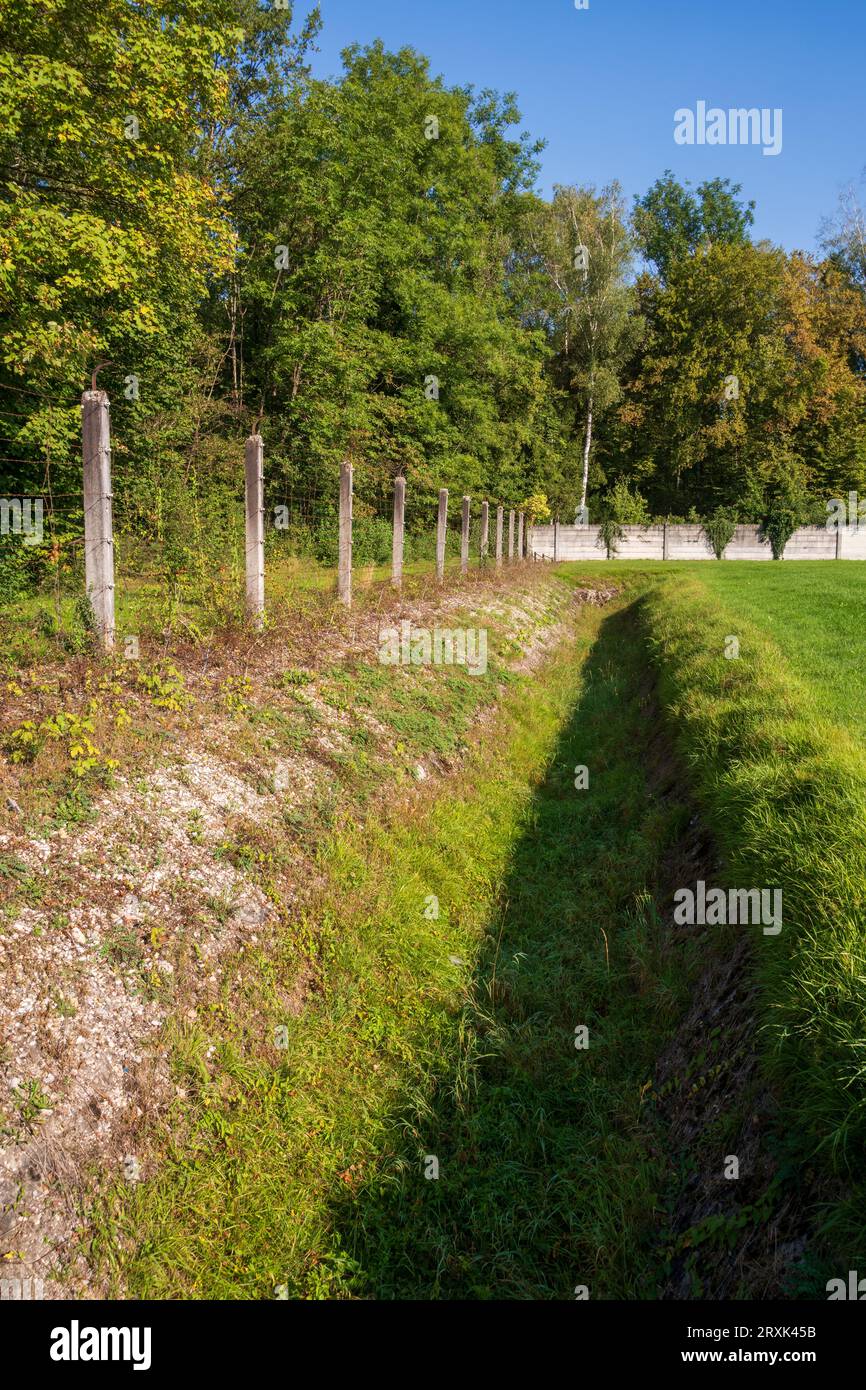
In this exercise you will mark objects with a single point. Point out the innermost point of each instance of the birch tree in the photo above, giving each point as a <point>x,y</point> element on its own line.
<point>844,236</point>
<point>582,244</point>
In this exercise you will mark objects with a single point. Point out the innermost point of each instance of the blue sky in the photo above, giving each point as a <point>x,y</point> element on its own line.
<point>602,85</point>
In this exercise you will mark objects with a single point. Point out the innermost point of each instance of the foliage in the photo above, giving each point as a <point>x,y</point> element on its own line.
<point>536,509</point>
<point>620,507</point>
<point>719,530</point>
<point>581,243</point>
<point>365,266</point>
<point>670,222</point>
<point>377,323</point>
<point>785,512</point>
<point>626,505</point>
<point>745,381</point>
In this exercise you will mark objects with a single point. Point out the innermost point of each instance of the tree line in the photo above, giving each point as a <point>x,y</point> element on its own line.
<point>364,268</point>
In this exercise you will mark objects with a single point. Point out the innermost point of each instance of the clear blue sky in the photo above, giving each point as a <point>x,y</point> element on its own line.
<point>602,85</point>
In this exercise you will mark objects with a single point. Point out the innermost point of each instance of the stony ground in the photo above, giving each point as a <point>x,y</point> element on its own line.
<point>119,925</point>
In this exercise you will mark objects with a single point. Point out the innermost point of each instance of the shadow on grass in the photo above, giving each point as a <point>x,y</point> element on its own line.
<point>547,1159</point>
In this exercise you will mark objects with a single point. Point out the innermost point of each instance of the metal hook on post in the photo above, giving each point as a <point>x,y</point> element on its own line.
<point>96,370</point>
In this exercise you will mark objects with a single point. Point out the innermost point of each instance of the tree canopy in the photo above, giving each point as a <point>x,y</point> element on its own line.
<point>366,266</point>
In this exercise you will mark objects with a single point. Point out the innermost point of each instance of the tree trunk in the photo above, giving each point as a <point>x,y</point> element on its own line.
<point>233,343</point>
<point>587,443</point>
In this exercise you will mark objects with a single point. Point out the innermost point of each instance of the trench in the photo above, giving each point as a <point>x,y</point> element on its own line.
<point>598,1171</point>
<point>535,1097</point>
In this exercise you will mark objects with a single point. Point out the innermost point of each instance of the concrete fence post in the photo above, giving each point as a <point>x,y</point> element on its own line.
<point>344,569</point>
<point>98,525</point>
<point>441,533</point>
<point>464,536</point>
<point>255,527</point>
<point>499,519</point>
<point>555,538</point>
<point>511,536</point>
<point>397,543</point>
<point>665,554</point>
<point>485,527</point>
<point>520,538</point>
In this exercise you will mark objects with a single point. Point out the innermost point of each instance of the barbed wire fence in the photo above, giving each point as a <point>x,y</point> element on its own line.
<point>306,519</point>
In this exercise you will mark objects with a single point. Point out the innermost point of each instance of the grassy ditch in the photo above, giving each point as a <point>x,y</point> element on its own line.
<point>783,792</point>
<point>459,939</point>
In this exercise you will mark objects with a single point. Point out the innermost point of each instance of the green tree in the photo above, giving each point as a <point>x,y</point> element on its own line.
<point>117,124</point>
<point>376,217</point>
<point>745,379</point>
<point>670,222</point>
<point>581,245</point>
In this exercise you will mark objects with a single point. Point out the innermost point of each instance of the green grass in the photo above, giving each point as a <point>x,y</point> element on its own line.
<point>783,790</point>
<point>47,625</point>
<point>811,610</point>
<point>808,608</point>
<point>299,1170</point>
<point>448,1036</point>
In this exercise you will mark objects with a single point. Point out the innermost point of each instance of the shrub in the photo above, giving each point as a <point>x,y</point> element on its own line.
<point>621,507</point>
<point>719,529</point>
<point>22,568</point>
<point>783,515</point>
<point>372,540</point>
<point>536,509</point>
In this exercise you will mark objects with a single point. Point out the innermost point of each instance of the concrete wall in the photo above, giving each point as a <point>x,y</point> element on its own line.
<point>690,543</point>
<point>570,542</point>
<point>852,544</point>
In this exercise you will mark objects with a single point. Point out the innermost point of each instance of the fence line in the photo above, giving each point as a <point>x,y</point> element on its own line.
<point>525,541</point>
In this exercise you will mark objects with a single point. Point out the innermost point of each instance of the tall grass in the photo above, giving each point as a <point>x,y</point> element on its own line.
<point>784,792</point>
<point>447,1034</point>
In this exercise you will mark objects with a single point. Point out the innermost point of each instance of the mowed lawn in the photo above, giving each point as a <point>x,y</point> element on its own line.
<point>814,611</point>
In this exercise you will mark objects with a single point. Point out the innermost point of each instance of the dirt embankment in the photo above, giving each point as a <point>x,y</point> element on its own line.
<point>141,918</point>
<point>140,921</point>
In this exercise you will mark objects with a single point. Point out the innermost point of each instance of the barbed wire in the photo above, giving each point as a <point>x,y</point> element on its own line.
<point>26,391</point>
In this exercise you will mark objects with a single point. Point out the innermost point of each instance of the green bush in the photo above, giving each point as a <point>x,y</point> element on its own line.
<point>22,567</point>
<point>779,522</point>
<point>621,507</point>
<point>372,540</point>
<point>719,529</point>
